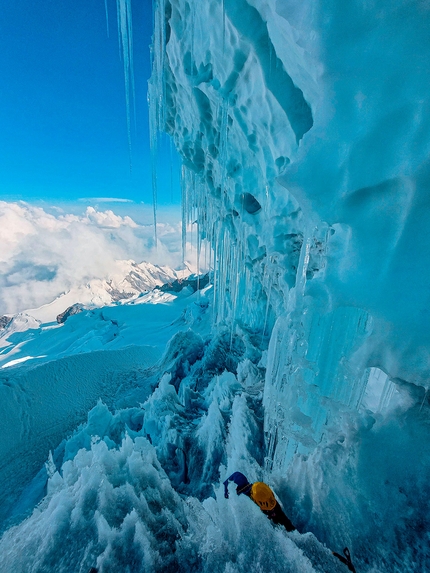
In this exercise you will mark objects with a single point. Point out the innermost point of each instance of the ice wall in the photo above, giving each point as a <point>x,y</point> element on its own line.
<point>303,128</point>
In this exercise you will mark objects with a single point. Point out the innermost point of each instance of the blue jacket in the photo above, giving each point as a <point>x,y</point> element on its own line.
<point>243,485</point>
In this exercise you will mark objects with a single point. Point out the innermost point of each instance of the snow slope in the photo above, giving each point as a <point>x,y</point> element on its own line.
<point>58,374</point>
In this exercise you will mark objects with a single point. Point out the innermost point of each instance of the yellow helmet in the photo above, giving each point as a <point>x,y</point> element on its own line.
<point>263,496</point>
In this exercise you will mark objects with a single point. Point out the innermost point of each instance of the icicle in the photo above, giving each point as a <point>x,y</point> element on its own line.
<point>153,143</point>
<point>192,19</point>
<point>219,266</point>
<point>298,291</point>
<point>223,27</point>
<point>237,251</point>
<point>424,399</point>
<point>190,222</point>
<point>184,212</point>
<point>211,264</point>
<point>267,190</point>
<point>198,259</point>
<point>125,34</point>
<point>223,123</point>
<point>171,169</point>
<point>272,439</point>
<point>215,274</point>
<point>267,307</point>
<point>222,263</point>
<point>107,18</point>
<point>154,197</point>
<point>303,264</point>
<point>156,95</point>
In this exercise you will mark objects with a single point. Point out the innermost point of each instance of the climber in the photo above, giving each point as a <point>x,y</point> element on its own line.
<point>263,496</point>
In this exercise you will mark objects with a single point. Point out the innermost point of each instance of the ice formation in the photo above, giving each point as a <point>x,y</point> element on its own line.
<point>138,490</point>
<point>125,35</point>
<point>107,18</point>
<point>303,128</point>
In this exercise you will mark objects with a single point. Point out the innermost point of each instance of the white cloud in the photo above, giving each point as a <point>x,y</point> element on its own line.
<point>46,253</point>
<point>95,200</point>
<point>108,219</point>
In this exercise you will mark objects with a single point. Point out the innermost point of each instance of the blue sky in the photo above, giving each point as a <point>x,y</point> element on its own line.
<point>63,130</point>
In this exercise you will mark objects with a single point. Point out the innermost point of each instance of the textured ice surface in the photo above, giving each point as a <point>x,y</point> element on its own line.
<point>303,129</point>
<point>106,354</point>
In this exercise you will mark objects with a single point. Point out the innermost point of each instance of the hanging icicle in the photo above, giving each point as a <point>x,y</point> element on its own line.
<point>156,96</point>
<point>184,212</point>
<point>107,18</point>
<point>125,35</point>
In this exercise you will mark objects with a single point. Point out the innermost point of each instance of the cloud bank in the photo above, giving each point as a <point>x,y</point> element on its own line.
<point>44,254</point>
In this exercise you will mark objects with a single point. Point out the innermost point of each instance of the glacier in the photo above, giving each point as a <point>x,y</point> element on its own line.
<point>303,131</point>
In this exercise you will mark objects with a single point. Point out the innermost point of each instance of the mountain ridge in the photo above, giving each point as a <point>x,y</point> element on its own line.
<point>130,280</point>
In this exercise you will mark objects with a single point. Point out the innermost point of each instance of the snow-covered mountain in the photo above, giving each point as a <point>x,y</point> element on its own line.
<point>129,280</point>
<point>139,278</point>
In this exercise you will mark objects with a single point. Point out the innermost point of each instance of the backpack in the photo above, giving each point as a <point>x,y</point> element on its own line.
<point>263,496</point>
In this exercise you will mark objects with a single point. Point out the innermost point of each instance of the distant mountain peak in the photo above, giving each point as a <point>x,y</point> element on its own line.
<point>128,280</point>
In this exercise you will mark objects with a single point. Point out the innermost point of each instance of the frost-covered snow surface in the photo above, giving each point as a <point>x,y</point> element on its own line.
<point>304,130</point>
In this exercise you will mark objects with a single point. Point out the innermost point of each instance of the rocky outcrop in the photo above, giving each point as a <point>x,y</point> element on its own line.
<point>74,309</point>
<point>5,321</point>
<point>195,282</point>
